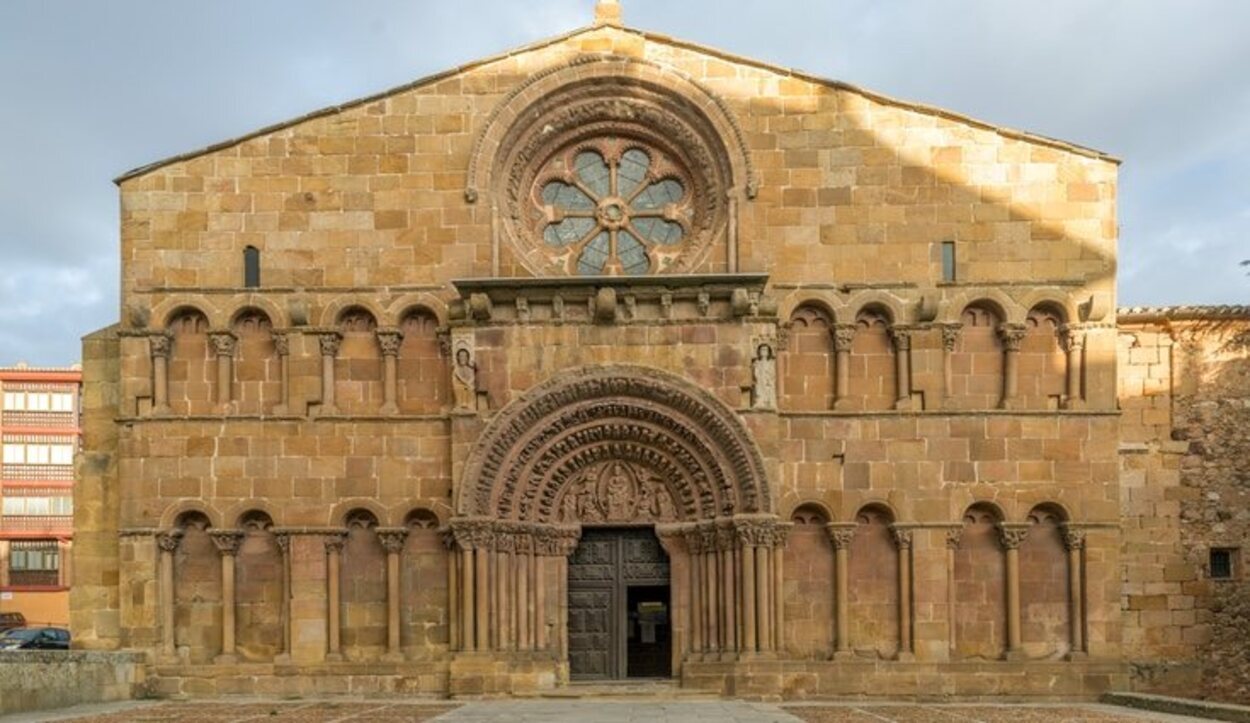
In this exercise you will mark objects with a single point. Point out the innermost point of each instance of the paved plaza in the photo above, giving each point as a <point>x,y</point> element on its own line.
<point>587,711</point>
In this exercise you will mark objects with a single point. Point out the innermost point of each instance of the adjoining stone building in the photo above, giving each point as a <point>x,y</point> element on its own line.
<point>615,356</point>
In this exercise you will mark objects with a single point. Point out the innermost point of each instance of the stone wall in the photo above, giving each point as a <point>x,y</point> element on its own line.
<point>1185,391</point>
<point>44,680</point>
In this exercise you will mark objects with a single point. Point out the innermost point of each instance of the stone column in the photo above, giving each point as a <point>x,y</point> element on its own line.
<point>841,536</point>
<point>1074,541</point>
<point>1073,341</point>
<point>749,638</point>
<point>763,589</point>
<point>903,541</point>
<point>950,338</point>
<point>167,542</point>
<point>329,342</point>
<point>334,559</point>
<point>161,345</point>
<point>711,595</point>
<point>468,605</point>
<point>843,335</point>
<point>780,533</point>
<point>540,601</point>
<point>694,547</point>
<point>227,542</point>
<point>481,576</point>
<point>725,542</point>
<point>224,344</point>
<point>953,537</point>
<point>453,590</point>
<point>1011,536</point>
<point>1011,335</point>
<point>282,345</point>
<point>522,569</point>
<point>392,539</point>
<point>283,540</point>
<point>389,340</point>
<point>901,336</point>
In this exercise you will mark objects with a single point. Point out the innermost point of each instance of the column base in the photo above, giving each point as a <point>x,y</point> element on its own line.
<point>389,409</point>
<point>908,657</point>
<point>1011,404</point>
<point>393,658</point>
<point>842,405</point>
<point>334,657</point>
<point>324,411</point>
<point>843,655</point>
<point>282,659</point>
<point>226,659</point>
<point>904,405</point>
<point>280,411</point>
<point>1077,656</point>
<point>1015,656</point>
<point>168,659</point>
<point>1073,404</point>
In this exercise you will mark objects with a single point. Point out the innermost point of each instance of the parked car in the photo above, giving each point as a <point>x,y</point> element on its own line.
<point>35,639</point>
<point>9,621</point>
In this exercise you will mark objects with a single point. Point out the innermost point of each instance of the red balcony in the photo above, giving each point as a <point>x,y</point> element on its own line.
<point>36,525</point>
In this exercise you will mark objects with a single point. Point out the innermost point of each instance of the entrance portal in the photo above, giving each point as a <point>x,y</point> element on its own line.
<point>620,622</point>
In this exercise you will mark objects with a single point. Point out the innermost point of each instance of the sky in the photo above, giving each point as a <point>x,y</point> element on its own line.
<point>89,90</point>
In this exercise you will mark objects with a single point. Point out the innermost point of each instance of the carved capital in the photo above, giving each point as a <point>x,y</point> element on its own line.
<point>393,539</point>
<point>224,342</point>
<point>1012,536</point>
<point>1071,338</point>
<point>950,335</point>
<point>226,541</point>
<point>841,536</point>
<point>781,533</point>
<point>843,336</point>
<point>169,541</point>
<point>335,541</point>
<point>281,343</point>
<point>902,537</point>
<point>954,536</point>
<point>330,342</point>
<point>901,336</point>
<point>1073,538</point>
<point>1012,335</point>
<point>161,345</point>
<point>283,540</point>
<point>389,341</point>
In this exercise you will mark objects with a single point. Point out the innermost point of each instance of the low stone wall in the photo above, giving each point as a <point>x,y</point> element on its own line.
<point>46,679</point>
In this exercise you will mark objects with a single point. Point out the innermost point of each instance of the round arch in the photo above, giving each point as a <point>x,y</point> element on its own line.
<point>598,431</point>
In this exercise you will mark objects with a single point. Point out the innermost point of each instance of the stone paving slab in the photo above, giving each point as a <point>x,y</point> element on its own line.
<point>587,711</point>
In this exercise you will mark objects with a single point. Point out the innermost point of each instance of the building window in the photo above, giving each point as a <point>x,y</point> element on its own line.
<point>38,506</point>
<point>14,401</point>
<point>251,267</point>
<point>15,454</point>
<point>1223,563</point>
<point>34,562</point>
<point>62,402</point>
<point>62,454</point>
<point>948,261</point>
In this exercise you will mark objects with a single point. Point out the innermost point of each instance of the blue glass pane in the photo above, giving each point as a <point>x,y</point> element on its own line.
<point>658,231</point>
<point>633,254</point>
<point>659,195</point>
<point>594,256</point>
<point>569,198</point>
<point>593,172</point>
<point>632,172</point>
<point>568,231</point>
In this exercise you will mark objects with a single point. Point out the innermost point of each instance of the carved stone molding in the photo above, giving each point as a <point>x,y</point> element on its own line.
<point>169,541</point>
<point>841,536</point>
<point>901,336</point>
<point>393,538</point>
<point>282,343</point>
<point>1012,335</point>
<point>389,341</point>
<point>330,341</point>
<point>950,335</point>
<point>335,541</point>
<point>954,536</point>
<point>1012,536</point>
<point>224,343</point>
<point>663,429</point>
<point>902,537</point>
<point>843,336</point>
<point>1073,537</point>
<point>283,540</point>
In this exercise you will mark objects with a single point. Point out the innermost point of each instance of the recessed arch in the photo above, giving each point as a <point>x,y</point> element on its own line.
<point>166,311</point>
<point>878,302</point>
<point>418,302</point>
<point>175,512</point>
<point>341,511</point>
<point>574,427</point>
<point>334,310</point>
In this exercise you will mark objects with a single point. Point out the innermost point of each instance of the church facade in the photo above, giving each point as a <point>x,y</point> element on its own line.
<point>613,357</point>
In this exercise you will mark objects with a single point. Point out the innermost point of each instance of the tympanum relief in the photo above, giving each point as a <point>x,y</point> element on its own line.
<point>616,492</point>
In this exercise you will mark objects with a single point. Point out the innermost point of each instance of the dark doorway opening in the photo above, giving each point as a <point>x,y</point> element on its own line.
<point>619,607</point>
<point>648,638</point>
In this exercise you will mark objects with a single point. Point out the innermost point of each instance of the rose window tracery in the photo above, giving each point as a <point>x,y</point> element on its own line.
<point>613,207</point>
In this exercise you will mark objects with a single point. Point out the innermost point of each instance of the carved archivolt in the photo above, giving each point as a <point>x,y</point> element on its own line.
<point>627,443</point>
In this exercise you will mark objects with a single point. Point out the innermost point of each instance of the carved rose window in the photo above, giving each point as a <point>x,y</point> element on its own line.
<point>613,207</point>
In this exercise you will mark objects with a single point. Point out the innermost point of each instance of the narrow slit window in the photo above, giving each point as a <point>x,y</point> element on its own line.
<point>948,261</point>
<point>251,267</point>
<point>1222,564</point>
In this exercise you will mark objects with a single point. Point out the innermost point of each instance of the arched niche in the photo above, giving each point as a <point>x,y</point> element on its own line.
<point>807,365</point>
<point>977,362</point>
<point>257,374</point>
<point>197,588</point>
<point>874,594</point>
<point>192,372</point>
<point>423,584</point>
<point>980,615</point>
<point>363,588</point>
<point>809,580</point>
<point>423,379</point>
<point>1043,363</point>
<point>1045,613</point>
<point>358,366</point>
<point>872,367</point>
<point>258,589</point>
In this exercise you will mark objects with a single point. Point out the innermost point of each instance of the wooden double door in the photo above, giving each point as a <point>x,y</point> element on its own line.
<point>620,618</point>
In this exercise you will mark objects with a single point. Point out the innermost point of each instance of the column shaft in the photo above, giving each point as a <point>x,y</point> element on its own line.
<point>763,606</point>
<point>904,601</point>
<point>392,602</point>
<point>711,603</point>
<point>390,381</point>
<point>160,383</point>
<point>481,559</point>
<point>696,603</point>
<point>468,607</point>
<point>731,599</point>
<point>749,640</point>
<point>842,598</point>
<point>168,646</point>
<point>1013,600</point>
<point>227,605</point>
<point>333,564</point>
<point>842,376</point>
<point>225,378</point>
<point>522,601</point>
<point>453,600</point>
<point>540,603</point>
<point>778,598</point>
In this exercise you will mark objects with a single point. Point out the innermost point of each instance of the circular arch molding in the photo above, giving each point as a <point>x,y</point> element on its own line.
<point>558,433</point>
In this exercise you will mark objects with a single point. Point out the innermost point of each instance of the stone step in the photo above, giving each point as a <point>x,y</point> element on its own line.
<point>658,689</point>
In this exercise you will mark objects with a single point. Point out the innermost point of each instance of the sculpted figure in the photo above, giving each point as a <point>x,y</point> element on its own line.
<point>764,376</point>
<point>620,493</point>
<point>464,380</point>
<point>587,505</point>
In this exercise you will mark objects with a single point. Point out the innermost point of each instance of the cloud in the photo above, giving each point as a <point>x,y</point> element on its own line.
<point>110,86</point>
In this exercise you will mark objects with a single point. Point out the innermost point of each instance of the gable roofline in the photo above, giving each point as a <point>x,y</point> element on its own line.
<point>727,56</point>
